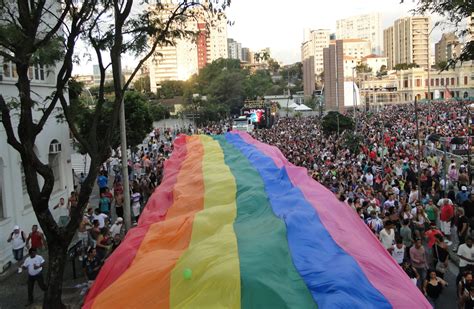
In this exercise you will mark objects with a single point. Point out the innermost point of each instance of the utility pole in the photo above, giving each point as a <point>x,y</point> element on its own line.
<point>123,150</point>
<point>469,143</point>
<point>354,100</point>
<point>419,147</point>
<point>382,155</point>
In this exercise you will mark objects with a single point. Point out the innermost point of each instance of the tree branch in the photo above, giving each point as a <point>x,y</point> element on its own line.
<point>7,124</point>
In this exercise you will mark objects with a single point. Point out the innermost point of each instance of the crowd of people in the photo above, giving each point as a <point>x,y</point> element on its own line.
<point>413,197</point>
<point>418,222</point>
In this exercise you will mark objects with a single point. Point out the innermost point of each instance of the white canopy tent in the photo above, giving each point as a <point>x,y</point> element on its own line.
<point>303,108</point>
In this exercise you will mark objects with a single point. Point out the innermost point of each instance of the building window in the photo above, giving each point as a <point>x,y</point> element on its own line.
<point>418,82</point>
<point>437,82</point>
<point>2,203</point>
<point>54,163</point>
<point>447,81</point>
<point>442,82</point>
<point>432,82</point>
<point>452,81</point>
<point>465,80</point>
<point>35,72</point>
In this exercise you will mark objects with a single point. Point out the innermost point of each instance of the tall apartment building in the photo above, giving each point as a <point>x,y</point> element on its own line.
<point>234,49</point>
<point>448,47</point>
<point>407,41</point>
<point>184,59</point>
<point>312,57</point>
<point>356,48</point>
<point>367,27</point>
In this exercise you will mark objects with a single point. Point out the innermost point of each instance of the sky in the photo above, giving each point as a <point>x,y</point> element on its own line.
<point>279,24</point>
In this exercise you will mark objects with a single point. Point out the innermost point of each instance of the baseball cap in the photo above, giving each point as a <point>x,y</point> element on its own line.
<point>16,227</point>
<point>463,188</point>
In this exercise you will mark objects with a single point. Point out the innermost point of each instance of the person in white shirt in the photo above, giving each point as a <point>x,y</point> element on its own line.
<point>34,264</point>
<point>101,217</point>
<point>116,228</point>
<point>466,257</point>
<point>398,251</point>
<point>18,240</point>
<point>369,179</point>
<point>387,235</point>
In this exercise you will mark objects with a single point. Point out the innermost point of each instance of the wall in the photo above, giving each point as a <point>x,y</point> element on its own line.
<point>17,208</point>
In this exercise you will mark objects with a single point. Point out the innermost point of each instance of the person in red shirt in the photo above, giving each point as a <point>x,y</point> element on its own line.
<point>431,234</point>
<point>445,217</point>
<point>38,241</point>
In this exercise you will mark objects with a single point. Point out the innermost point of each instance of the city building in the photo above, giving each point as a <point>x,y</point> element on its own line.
<point>234,49</point>
<point>246,55</point>
<point>356,48</point>
<point>447,48</point>
<point>367,27</point>
<point>406,85</point>
<point>375,62</point>
<point>186,56</point>
<point>334,76</point>
<point>53,147</point>
<point>407,41</point>
<point>349,66</point>
<point>312,57</point>
<point>470,28</point>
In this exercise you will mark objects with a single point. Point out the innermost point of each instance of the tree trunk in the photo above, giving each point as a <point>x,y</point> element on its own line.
<point>54,280</point>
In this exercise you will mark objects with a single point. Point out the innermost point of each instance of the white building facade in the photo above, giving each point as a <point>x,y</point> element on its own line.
<point>53,147</point>
<point>367,27</point>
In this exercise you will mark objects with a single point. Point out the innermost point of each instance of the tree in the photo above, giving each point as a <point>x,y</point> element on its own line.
<point>405,66</point>
<point>158,112</point>
<point>257,84</point>
<point>138,118</point>
<point>363,68</point>
<point>441,65</point>
<point>142,84</point>
<point>382,71</point>
<point>31,32</point>
<point>273,65</point>
<point>170,89</point>
<point>335,122</point>
<point>456,12</point>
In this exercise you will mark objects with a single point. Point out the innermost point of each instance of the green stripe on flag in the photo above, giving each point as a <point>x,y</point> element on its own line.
<point>268,277</point>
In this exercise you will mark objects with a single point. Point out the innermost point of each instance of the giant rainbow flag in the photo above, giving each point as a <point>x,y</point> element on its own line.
<point>233,225</point>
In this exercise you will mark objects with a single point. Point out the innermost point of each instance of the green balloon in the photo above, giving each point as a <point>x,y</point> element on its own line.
<point>187,273</point>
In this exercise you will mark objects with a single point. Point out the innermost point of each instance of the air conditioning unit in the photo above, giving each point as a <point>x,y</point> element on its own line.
<point>54,148</point>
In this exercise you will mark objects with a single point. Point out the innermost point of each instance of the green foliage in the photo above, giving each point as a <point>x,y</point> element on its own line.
<point>334,122</point>
<point>405,66</point>
<point>137,117</point>
<point>142,84</point>
<point>273,65</point>
<point>363,68</point>
<point>311,103</point>
<point>257,84</point>
<point>158,112</point>
<point>170,89</point>
<point>441,65</point>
